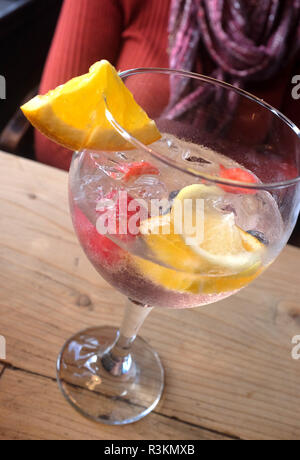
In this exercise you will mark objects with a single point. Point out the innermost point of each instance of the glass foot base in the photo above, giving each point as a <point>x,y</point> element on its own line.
<point>98,394</point>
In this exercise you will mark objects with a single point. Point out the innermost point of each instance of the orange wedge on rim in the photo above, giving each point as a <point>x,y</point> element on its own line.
<point>73,115</point>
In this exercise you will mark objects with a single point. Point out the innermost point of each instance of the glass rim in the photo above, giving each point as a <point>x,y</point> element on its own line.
<point>190,170</point>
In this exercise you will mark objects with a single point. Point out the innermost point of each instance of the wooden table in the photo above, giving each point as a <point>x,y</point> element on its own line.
<point>229,370</point>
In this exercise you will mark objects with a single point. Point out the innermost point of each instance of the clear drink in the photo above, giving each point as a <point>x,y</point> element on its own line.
<point>132,267</point>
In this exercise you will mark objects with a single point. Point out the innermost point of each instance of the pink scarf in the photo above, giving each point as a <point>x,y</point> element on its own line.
<point>247,40</point>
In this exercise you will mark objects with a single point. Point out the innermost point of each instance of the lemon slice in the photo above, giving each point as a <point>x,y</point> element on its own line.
<point>73,115</point>
<point>200,269</point>
<point>223,245</point>
<point>193,283</point>
<point>200,191</point>
<point>168,247</point>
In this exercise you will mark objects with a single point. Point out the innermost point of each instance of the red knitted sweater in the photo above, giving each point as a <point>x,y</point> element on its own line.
<point>129,33</point>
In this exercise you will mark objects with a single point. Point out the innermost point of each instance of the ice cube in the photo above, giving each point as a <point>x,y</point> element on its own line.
<point>149,187</point>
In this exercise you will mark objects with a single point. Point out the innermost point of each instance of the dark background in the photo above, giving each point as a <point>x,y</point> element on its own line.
<point>26,31</point>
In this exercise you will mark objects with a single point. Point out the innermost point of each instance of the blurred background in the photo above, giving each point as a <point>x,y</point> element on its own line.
<point>26,31</point>
<point>137,39</point>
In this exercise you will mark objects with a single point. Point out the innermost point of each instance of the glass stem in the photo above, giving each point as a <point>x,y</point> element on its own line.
<point>118,360</point>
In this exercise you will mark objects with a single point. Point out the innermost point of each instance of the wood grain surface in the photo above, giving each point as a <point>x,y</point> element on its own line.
<point>229,370</point>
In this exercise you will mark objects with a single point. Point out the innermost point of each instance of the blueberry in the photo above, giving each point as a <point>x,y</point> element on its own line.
<point>200,160</point>
<point>259,236</point>
<point>173,195</point>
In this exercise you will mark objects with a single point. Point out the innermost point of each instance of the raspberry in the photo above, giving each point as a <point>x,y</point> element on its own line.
<point>100,247</point>
<point>239,175</point>
<point>136,169</point>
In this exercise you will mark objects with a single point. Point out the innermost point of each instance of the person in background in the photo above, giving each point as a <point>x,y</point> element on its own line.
<point>253,44</point>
